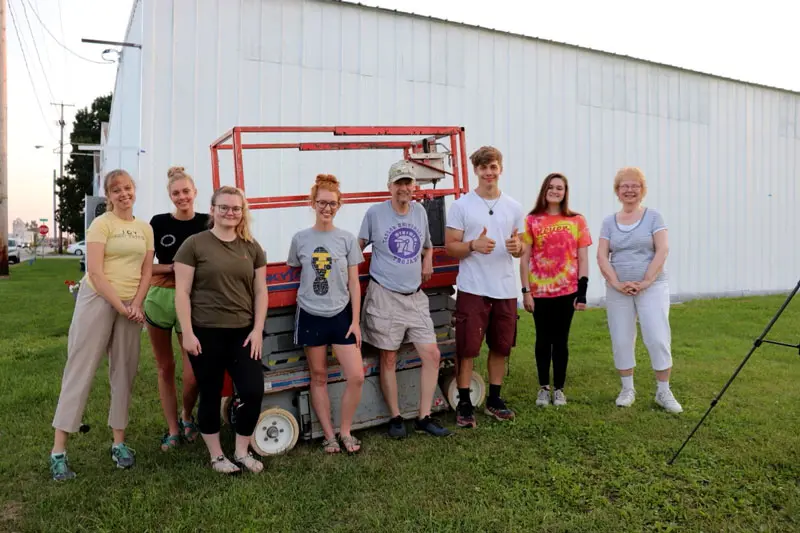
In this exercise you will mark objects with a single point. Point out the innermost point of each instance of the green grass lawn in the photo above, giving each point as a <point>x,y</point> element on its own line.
<point>587,467</point>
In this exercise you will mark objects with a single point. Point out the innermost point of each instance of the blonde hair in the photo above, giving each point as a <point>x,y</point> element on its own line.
<point>630,172</point>
<point>109,179</point>
<point>176,174</point>
<point>243,227</point>
<point>326,182</point>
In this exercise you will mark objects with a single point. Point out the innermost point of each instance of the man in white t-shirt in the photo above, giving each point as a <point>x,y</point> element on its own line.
<point>483,231</point>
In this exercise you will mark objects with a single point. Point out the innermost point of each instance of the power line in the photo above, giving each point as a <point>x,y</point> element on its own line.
<point>36,48</point>
<point>30,76</point>
<point>45,53</point>
<point>63,45</point>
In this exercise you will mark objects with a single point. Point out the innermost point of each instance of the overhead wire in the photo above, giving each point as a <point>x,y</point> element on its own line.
<point>36,49</point>
<point>27,67</point>
<point>62,45</point>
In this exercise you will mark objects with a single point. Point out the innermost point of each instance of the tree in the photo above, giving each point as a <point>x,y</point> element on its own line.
<point>79,170</point>
<point>32,226</point>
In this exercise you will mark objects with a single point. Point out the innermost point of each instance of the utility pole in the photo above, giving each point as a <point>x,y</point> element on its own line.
<point>4,272</point>
<point>55,195</point>
<point>61,158</point>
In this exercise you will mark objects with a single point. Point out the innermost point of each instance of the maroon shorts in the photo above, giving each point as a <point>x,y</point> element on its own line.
<point>479,316</point>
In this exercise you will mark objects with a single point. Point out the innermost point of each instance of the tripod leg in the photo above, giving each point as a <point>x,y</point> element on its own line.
<point>756,344</point>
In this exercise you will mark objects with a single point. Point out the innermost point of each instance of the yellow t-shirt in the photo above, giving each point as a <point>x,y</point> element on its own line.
<point>126,243</point>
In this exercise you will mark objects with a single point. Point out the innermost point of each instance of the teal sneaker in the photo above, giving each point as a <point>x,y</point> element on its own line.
<point>59,467</point>
<point>122,455</point>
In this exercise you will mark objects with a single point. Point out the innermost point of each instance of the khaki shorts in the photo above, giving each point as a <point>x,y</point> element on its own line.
<point>390,319</point>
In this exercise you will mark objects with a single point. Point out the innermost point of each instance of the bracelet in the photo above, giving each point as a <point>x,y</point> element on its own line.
<point>470,246</point>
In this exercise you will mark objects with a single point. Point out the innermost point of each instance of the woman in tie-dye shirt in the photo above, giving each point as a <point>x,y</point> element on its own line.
<point>554,272</point>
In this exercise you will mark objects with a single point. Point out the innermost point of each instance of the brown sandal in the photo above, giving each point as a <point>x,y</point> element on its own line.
<point>331,446</point>
<point>350,443</point>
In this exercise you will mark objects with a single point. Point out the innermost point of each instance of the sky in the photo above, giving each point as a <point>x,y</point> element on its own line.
<point>749,41</point>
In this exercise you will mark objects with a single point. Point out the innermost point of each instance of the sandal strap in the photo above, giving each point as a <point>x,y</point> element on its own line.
<point>193,432</point>
<point>224,465</point>
<point>250,462</point>
<point>170,441</point>
<point>350,442</point>
<point>331,443</point>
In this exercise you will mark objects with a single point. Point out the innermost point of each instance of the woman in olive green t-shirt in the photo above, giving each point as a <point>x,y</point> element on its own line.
<point>221,302</point>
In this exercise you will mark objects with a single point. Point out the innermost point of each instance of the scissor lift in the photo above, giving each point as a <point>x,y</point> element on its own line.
<point>287,414</point>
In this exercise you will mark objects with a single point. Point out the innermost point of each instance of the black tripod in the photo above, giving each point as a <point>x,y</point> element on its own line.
<point>758,342</point>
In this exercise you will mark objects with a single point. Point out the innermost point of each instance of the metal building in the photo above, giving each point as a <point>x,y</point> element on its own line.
<point>722,157</point>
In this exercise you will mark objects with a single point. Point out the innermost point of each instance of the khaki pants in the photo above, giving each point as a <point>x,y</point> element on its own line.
<point>97,329</point>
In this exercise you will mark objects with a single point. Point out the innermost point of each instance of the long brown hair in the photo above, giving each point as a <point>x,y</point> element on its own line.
<point>243,227</point>
<point>541,202</point>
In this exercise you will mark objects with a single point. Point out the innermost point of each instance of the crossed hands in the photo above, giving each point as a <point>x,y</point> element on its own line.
<point>134,313</point>
<point>632,288</point>
<point>485,245</point>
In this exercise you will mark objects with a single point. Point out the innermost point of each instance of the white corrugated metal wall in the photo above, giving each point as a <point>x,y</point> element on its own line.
<point>721,156</point>
<point>121,149</point>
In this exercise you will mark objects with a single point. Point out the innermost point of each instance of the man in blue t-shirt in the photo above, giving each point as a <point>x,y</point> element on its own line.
<point>396,309</point>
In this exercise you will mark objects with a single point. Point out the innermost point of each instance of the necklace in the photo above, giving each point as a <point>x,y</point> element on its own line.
<point>491,207</point>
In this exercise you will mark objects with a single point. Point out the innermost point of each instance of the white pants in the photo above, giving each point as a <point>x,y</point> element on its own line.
<point>652,308</point>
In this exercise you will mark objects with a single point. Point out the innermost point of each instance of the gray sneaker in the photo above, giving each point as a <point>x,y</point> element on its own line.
<point>543,397</point>
<point>558,398</point>
<point>59,467</point>
<point>122,455</point>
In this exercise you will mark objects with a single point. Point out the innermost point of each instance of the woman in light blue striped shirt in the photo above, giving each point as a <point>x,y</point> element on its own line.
<point>631,253</point>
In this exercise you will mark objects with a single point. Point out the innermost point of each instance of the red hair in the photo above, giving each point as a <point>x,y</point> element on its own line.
<point>327,182</point>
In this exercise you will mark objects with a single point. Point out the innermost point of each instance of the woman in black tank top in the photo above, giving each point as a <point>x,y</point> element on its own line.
<point>170,230</point>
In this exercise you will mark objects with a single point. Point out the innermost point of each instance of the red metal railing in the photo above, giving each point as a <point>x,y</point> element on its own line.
<point>232,140</point>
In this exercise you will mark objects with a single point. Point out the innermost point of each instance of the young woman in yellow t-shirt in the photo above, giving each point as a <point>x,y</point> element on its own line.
<point>108,319</point>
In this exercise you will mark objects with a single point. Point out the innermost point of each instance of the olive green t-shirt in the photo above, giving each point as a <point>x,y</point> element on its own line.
<point>223,286</point>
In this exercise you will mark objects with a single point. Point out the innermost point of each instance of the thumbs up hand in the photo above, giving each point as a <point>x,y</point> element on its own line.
<point>483,244</point>
<point>514,244</point>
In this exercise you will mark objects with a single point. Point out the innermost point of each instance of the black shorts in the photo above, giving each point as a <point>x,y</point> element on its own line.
<point>313,330</point>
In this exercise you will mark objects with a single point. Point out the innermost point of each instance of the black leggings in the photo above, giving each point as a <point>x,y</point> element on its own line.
<point>553,317</point>
<point>222,350</point>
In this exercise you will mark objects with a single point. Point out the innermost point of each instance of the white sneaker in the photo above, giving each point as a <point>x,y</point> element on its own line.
<point>543,398</point>
<point>626,397</point>
<point>668,402</point>
<point>558,398</point>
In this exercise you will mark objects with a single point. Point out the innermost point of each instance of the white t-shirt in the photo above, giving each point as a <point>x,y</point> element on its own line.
<point>491,274</point>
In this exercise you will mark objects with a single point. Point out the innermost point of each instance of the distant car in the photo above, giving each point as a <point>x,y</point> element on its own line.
<point>79,248</point>
<point>13,251</point>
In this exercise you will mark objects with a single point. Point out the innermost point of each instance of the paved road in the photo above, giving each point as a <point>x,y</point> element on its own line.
<point>28,254</point>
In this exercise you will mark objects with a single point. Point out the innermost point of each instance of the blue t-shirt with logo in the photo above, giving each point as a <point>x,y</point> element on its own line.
<point>397,243</point>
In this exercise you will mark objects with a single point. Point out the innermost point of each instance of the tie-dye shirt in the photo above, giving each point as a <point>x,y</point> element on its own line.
<point>553,265</point>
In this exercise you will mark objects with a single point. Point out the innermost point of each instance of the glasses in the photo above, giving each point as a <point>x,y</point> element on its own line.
<point>627,187</point>
<point>322,204</point>
<point>236,209</point>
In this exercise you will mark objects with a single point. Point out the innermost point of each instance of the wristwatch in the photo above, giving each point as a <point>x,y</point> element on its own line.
<point>525,290</point>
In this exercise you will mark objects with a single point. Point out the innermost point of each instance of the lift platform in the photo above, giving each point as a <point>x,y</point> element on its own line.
<point>438,154</point>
